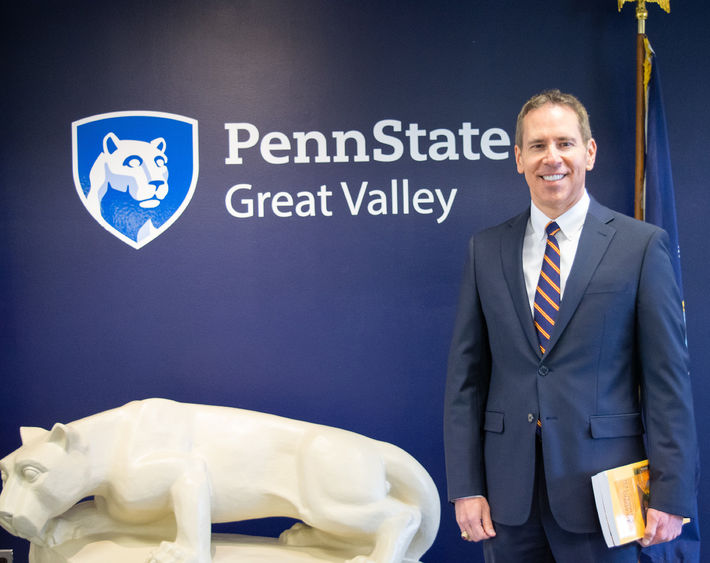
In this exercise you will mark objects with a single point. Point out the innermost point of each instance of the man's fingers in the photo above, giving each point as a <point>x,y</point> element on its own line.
<point>650,532</point>
<point>486,522</point>
<point>474,518</point>
<point>661,527</point>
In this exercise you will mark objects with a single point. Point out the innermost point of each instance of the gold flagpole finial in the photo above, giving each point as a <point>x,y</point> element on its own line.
<point>642,12</point>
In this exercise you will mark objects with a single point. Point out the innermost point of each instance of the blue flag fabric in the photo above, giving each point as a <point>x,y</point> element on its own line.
<point>660,210</point>
<point>660,201</point>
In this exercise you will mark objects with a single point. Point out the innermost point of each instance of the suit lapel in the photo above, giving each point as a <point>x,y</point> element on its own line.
<point>593,242</point>
<point>512,262</point>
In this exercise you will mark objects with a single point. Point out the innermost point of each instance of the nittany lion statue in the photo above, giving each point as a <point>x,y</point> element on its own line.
<point>136,168</point>
<point>161,465</point>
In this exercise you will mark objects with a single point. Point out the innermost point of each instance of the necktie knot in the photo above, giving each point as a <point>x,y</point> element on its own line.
<point>552,229</point>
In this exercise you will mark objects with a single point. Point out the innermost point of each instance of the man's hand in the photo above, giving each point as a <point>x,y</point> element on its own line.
<point>661,527</point>
<point>474,518</point>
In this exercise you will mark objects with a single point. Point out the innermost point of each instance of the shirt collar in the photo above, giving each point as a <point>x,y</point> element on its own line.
<point>570,222</point>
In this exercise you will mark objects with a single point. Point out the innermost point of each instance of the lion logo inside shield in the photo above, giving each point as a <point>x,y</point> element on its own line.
<point>122,162</point>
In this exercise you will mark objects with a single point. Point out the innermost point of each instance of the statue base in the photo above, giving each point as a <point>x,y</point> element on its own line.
<point>226,548</point>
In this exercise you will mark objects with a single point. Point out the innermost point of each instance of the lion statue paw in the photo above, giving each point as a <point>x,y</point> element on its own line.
<point>170,552</point>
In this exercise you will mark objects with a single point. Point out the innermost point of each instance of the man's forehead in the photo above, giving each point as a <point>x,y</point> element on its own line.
<point>555,121</point>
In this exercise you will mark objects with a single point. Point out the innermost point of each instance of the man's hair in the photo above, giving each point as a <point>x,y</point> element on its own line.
<point>556,98</point>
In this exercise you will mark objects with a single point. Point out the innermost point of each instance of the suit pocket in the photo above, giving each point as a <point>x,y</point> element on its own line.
<point>616,425</point>
<point>612,286</point>
<point>493,422</point>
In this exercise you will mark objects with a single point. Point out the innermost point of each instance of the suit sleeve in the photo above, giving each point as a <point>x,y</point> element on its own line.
<point>466,391</point>
<point>665,383</point>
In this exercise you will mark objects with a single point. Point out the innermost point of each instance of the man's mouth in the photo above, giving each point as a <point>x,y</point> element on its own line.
<point>553,177</point>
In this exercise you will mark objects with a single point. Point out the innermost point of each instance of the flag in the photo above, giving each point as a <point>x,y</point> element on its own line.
<point>659,196</point>
<point>660,210</point>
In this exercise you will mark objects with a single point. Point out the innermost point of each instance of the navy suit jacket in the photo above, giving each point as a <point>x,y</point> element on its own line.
<point>612,388</point>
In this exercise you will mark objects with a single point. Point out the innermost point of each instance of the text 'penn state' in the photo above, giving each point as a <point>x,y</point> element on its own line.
<point>385,144</point>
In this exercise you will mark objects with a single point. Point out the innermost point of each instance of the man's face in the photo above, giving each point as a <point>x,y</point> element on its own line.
<point>554,158</point>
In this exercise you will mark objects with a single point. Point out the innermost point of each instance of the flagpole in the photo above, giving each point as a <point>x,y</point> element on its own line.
<point>640,121</point>
<point>639,176</point>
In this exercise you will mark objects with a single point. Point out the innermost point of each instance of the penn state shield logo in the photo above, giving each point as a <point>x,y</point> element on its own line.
<point>135,171</point>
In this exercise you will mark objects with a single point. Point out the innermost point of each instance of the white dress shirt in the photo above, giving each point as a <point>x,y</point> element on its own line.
<point>570,223</point>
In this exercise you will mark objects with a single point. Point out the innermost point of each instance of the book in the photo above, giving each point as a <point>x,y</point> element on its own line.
<point>621,495</point>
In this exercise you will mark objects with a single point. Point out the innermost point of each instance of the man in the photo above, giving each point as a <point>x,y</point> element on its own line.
<point>553,378</point>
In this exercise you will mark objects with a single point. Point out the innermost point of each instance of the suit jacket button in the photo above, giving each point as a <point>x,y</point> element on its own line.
<point>543,370</point>
<point>531,418</point>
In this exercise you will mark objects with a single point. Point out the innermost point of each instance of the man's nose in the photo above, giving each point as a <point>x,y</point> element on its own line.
<point>552,156</point>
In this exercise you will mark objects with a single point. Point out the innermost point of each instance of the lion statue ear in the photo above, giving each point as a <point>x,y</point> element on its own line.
<point>64,436</point>
<point>31,433</point>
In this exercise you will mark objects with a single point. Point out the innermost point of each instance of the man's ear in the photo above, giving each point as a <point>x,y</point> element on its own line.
<point>591,153</point>
<point>519,159</point>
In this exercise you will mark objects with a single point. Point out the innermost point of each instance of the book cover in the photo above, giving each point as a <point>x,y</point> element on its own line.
<point>621,495</point>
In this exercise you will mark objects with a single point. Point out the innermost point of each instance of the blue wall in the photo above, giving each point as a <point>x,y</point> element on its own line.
<point>342,319</point>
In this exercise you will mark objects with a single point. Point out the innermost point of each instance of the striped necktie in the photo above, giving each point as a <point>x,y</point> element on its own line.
<point>547,294</point>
